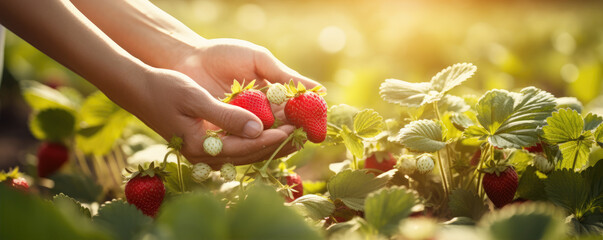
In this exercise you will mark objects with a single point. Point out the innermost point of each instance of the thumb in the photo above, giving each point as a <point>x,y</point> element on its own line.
<point>232,119</point>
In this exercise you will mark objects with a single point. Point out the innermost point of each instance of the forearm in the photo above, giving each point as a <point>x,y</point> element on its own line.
<point>59,30</point>
<point>141,28</point>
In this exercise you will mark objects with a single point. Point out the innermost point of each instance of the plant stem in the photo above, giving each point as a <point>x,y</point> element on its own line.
<point>275,152</point>
<point>115,171</point>
<point>82,162</point>
<point>576,158</point>
<point>443,175</point>
<point>448,155</point>
<point>243,177</point>
<point>179,171</point>
<point>354,162</point>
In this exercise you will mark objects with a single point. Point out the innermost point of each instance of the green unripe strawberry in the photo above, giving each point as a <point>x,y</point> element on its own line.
<point>543,164</point>
<point>277,94</point>
<point>212,145</point>
<point>200,172</point>
<point>407,164</point>
<point>228,172</point>
<point>425,164</point>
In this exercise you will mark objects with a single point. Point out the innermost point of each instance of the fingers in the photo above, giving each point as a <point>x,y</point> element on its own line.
<point>238,150</point>
<point>232,119</point>
<point>269,67</point>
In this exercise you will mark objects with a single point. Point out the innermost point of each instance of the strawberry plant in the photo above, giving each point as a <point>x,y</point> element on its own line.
<point>504,165</point>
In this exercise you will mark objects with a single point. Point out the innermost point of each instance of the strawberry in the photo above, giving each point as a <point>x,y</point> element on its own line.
<point>542,164</point>
<point>13,179</point>
<point>51,156</point>
<point>145,189</point>
<point>297,187</point>
<point>500,186</point>
<point>383,161</point>
<point>407,164</point>
<point>308,110</point>
<point>228,172</point>
<point>252,100</point>
<point>475,158</point>
<point>277,94</point>
<point>200,172</point>
<point>425,163</point>
<point>212,144</point>
<point>535,149</point>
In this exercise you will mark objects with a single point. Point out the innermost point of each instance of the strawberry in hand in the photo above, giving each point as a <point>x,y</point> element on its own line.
<point>252,100</point>
<point>308,110</point>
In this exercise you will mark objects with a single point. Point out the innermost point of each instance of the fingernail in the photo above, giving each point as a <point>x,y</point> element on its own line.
<point>252,129</point>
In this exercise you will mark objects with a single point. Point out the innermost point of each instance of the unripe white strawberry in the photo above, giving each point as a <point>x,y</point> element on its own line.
<point>212,145</point>
<point>542,164</point>
<point>228,172</point>
<point>425,163</point>
<point>407,164</point>
<point>277,94</point>
<point>200,172</point>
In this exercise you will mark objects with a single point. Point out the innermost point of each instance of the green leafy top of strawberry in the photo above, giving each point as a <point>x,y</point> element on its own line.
<point>11,174</point>
<point>175,143</point>
<point>237,88</point>
<point>150,171</point>
<point>293,91</point>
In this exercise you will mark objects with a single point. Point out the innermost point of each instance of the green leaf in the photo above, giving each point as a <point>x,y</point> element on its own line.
<point>525,222</point>
<point>26,216</point>
<point>569,102</point>
<point>461,121</point>
<point>452,76</point>
<point>530,186</point>
<point>122,219</point>
<point>352,187</point>
<point>368,123</point>
<point>464,203</point>
<point>520,159</point>
<point>404,93</point>
<point>575,153</point>
<point>592,121</point>
<point>512,119</point>
<point>313,187</point>
<point>598,135</point>
<point>342,114</point>
<point>193,216</point>
<point>589,225</point>
<point>563,126</point>
<point>53,124</point>
<point>385,208</point>
<point>99,111</point>
<point>171,181</point>
<point>64,199</point>
<point>422,136</point>
<point>594,176</point>
<point>270,218</point>
<point>77,186</point>
<point>352,142</point>
<point>569,190</point>
<point>40,96</point>
<point>313,206</point>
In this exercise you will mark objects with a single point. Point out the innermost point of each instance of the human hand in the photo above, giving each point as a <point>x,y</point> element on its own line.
<point>213,65</point>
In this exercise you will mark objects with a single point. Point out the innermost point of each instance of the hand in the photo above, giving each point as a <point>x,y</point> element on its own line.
<point>213,66</point>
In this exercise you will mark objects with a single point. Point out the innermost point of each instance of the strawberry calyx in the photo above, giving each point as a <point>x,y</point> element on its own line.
<point>11,174</point>
<point>150,171</point>
<point>496,168</point>
<point>293,91</point>
<point>236,89</point>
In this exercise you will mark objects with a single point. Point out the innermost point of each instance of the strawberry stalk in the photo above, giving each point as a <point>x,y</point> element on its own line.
<point>275,152</point>
<point>447,182</point>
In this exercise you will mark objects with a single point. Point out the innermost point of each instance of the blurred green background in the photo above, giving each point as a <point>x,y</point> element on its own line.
<point>352,46</point>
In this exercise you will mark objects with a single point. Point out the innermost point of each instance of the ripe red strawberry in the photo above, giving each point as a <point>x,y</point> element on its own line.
<point>51,156</point>
<point>381,161</point>
<point>475,158</point>
<point>295,182</point>
<point>146,190</point>
<point>500,186</point>
<point>252,100</point>
<point>308,110</point>
<point>535,149</point>
<point>13,179</point>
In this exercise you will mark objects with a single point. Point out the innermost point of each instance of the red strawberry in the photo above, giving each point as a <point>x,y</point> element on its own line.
<point>308,110</point>
<point>500,186</point>
<point>145,190</point>
<point>380,161</point>
<point>13,178</point>
<point>252,100</point>
<point>535,149</point>
<point>51,156</point>
<point>475,158</point>
<point>295,182</point>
